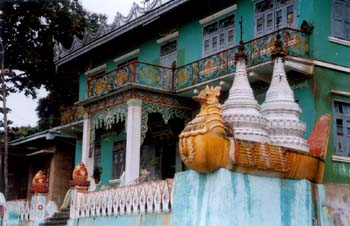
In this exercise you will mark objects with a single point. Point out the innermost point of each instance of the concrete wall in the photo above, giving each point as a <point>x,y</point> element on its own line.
<point>227,198</point>
<point>333,206</point>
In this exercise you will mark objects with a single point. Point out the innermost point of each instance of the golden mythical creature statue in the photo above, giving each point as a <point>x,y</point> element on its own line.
<point>206,144</point>
<point>39,183</point>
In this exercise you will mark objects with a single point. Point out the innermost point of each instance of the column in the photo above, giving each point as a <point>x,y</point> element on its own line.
<point>85,158</point>
<point>133,140</point>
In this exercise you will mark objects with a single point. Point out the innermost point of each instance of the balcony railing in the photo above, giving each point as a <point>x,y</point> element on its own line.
<point>140,73</point>
<point>21,207</point>
<point>223,63</point>
<point>72,114</point>
<point>146,198</point>
<point>201,71</point>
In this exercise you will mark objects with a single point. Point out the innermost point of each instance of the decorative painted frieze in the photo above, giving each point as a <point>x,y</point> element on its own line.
<point>109,116</point>
<point>147,198</point>
<point>222,64</point>
<point>136,73</point>
<point>167,113</point>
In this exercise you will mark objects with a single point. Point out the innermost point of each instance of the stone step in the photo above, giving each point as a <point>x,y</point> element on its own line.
<point>58,219</point>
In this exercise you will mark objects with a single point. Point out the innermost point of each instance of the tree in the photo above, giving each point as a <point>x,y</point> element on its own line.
<point>28,30</point>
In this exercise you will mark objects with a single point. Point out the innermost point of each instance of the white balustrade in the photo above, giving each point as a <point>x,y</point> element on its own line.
<point>145,198</point>
<point>23,206</point>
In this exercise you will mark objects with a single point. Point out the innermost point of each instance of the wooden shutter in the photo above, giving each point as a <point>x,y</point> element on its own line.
<point>342,128</point>
<point>347,21</point>
<point>338,22</point>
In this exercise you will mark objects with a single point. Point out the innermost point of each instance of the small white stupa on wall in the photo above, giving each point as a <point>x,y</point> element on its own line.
<point>241,110</point>
<point>280,108</point>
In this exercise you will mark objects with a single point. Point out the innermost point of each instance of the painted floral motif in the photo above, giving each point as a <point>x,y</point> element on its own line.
<point>120,78</point>
<point>223,63</point>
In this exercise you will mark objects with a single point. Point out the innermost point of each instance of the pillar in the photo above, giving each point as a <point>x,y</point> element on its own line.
<point>133,140</point>
<point>87,158</point>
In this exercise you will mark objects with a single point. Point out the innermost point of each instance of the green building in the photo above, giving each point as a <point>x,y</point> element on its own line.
<point>137,79</point>
<point>161,58</point>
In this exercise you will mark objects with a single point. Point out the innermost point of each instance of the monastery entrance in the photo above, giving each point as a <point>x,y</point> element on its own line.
<point>159,153</point>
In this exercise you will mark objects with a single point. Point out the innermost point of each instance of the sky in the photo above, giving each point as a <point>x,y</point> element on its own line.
<point>23,108</point>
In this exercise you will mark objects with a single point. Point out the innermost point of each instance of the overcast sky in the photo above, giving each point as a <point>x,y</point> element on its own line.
<point>23,108</point>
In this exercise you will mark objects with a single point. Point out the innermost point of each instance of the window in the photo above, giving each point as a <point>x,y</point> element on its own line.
<point>118,159</point>
<point>97,152</point>
<point>97,156</point>
<point>273,14</point>
<point>342,128</point>
<point>168,54</point>
<point>341,19</point>
<point>218,35</point>
<point>127,62</point>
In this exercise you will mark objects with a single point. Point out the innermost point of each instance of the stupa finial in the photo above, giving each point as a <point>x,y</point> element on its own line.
<point>241,54</point>
<point>278,51</point>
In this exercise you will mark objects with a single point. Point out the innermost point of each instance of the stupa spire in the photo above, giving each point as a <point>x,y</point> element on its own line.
<point>280,108</point>
<point>241,110</point>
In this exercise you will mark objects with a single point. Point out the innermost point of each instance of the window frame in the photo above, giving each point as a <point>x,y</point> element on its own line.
<point>114,165</point>
<point>346,35</point>
<point>217,34</point>
<point>273,11</point>
<point>344,118</point>
<point>172,53</point>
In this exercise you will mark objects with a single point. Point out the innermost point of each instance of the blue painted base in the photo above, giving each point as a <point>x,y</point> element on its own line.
<point>226,198</point>
<point>133,220</point>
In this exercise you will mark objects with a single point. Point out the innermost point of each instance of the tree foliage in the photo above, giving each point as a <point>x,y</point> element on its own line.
<point>28,29</point>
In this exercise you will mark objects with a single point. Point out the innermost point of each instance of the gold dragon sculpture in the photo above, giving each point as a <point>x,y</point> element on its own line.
<point>207,144</point>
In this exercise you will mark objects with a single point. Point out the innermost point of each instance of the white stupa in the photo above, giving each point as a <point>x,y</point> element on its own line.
<point>280,109</point>
<point>241,110</point>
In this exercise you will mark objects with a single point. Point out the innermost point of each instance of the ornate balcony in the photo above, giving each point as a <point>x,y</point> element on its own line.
<point>139,73</point>
<point>223,63</point>
<point>206,70</point>
<point>72,114</point>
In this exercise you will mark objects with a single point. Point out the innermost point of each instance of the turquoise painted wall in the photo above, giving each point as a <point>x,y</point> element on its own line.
<point>189,43</point>
<point>150,52</point>
<point>244,9</point>
<point>324,80</point>
<point>305,11</point>
<point>306,102</point>
<point>78,151</point>
<point>107,142</point>
<point>323,49</point>
<point>82,86</point>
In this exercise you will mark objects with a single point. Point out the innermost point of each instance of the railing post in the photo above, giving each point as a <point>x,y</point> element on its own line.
<point>173,68</point>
